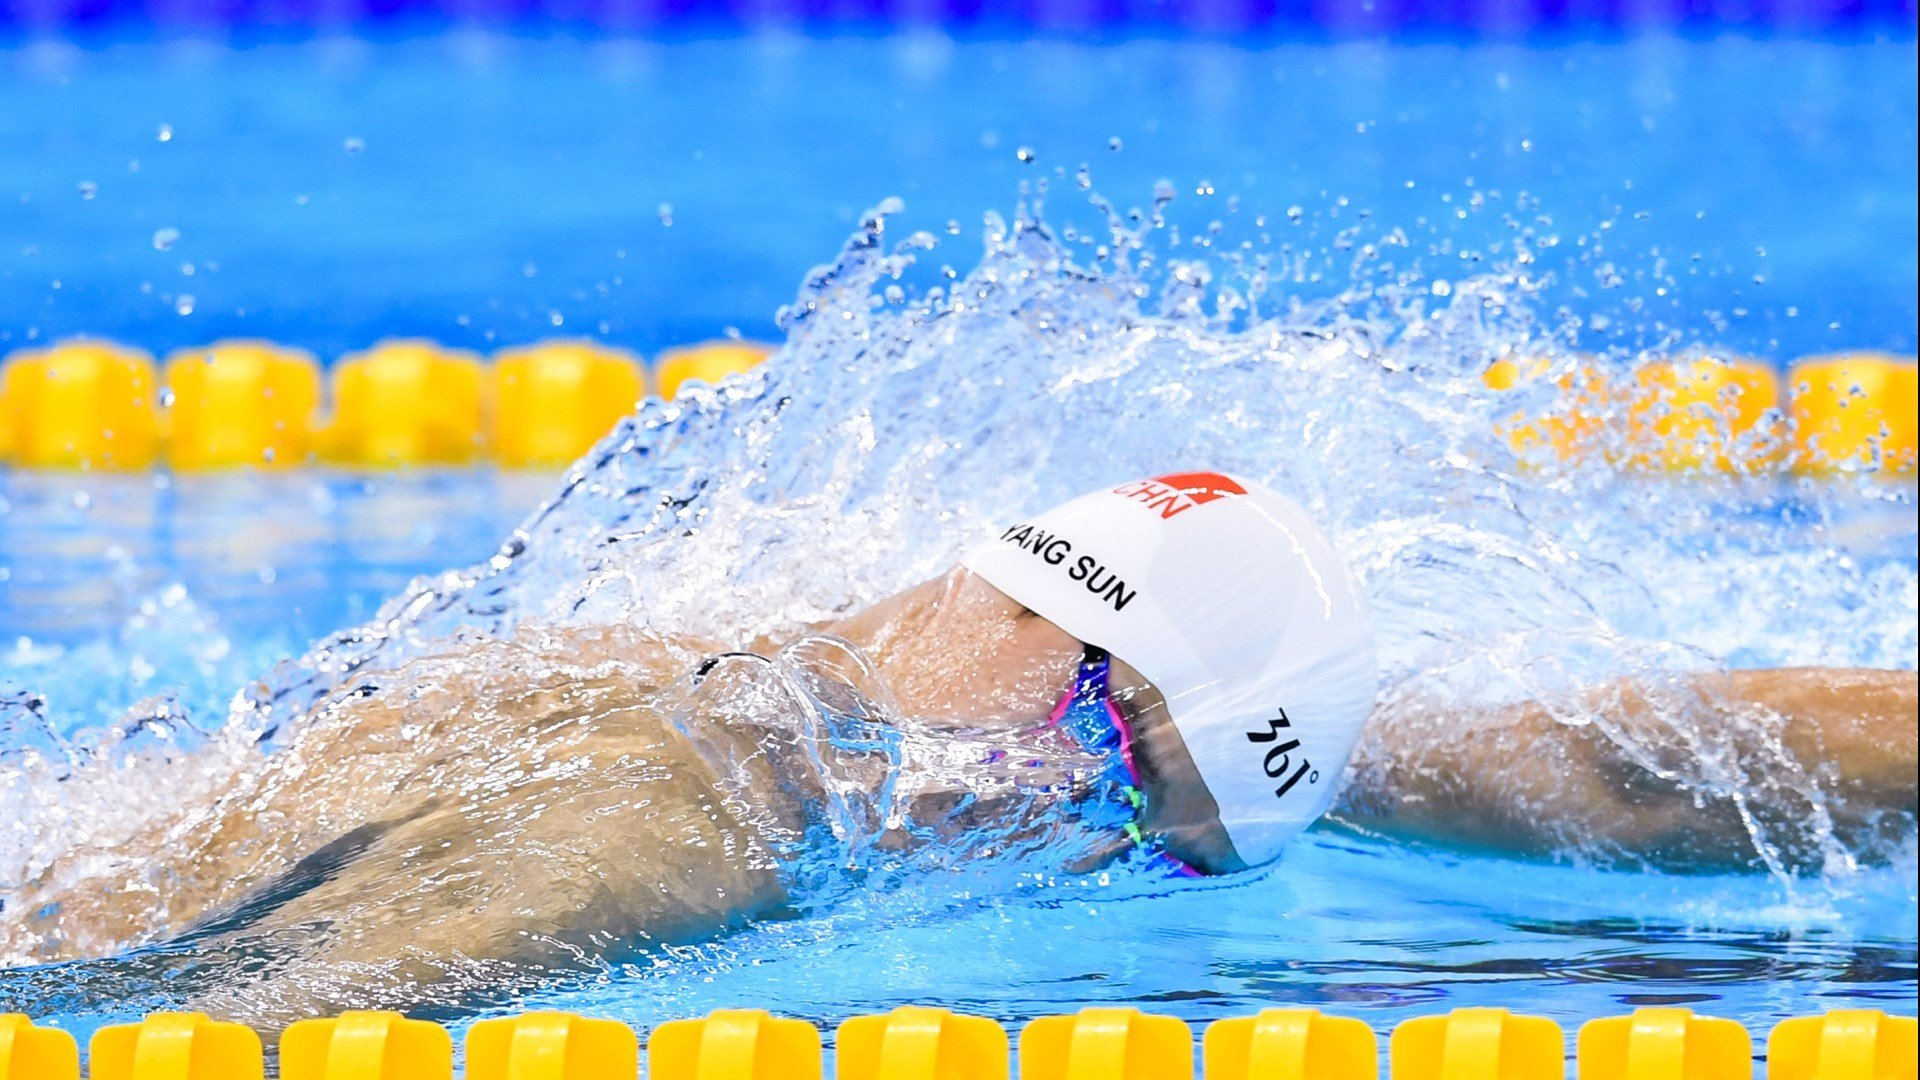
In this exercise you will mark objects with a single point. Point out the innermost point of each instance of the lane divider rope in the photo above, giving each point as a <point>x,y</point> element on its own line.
<point>93,404</point>
<point>915,1043</point>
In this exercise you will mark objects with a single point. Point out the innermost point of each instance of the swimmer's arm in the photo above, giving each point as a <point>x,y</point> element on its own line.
<point>454,903</point>
<point>1643,784</point>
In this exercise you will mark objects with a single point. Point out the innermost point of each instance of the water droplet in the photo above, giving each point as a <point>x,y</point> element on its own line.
<point>354,144</point>
<point>184,305</point>
<point>1295,213</point>
<point>1443,288</point>
<point>165,238</point>
<point>556,318</point>
<point>1025,154</point>
<point>529,270</point>
<point>165,134</point>
<point>1114,143</point>
<point>1205,187</point>
<point>953,227</point>
<point>88,189</point>
<point>665,210</point>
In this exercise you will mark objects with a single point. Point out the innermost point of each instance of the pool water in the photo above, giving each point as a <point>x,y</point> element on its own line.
<point>117,592</point>
<point>483,189</point>
<point>1390,217</point>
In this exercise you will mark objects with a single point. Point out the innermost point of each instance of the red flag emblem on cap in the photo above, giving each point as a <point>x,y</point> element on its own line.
<point>1179,492</point>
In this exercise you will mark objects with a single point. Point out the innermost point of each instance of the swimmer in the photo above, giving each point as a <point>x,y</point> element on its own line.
<point>1177,671</point>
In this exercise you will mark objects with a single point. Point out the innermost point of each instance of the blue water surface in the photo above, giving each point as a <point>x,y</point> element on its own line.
<point>484,188</point>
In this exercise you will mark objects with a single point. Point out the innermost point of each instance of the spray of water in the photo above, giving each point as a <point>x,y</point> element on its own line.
<point>896,427</point>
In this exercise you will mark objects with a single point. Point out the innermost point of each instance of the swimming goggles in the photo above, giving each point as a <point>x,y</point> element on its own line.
<point>1088,715</point>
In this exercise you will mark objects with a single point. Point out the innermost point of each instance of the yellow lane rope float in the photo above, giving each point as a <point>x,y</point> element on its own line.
<point>406,402</point>
<point>1839,414</point>
<point>553,400</point>
<point>1854,411</point>
<point>708,363</point>
<point>1105,1043</point>
<point>239,403</point>
<point>83,404</point>
<point>91,404</point>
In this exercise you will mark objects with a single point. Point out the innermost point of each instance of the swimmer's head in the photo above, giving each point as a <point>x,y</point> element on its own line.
<point>1244,651</point>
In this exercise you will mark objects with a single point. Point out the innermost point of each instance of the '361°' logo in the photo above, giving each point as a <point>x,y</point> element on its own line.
<point>1279,760</point>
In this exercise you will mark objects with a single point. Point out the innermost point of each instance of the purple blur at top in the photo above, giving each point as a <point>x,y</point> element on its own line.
<point>1336,17</point>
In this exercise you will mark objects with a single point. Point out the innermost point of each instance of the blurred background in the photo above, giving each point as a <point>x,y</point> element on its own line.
<point>326,174</point>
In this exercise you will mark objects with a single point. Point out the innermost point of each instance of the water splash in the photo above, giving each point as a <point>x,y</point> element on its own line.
<point>896,427</point>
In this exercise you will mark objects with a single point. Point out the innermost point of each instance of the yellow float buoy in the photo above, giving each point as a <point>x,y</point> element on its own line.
<point>28,1052</point>
<point>554,400</point>
<point>551,1046</point>
<point>734,1044</point>
<point>918,1043</point>
<point>1704,415</point>
<point>1486,1044</point>
<point>1663,1044</point>
<point>366,1046</point>
<point>176,1046</point>
<point>1106,1042</point>
<point>1853,412</point>
<point>240,403</point>
<point>407,402</point>
<point>1573,429</point>
<point>80,404</point>
<point>709,362</point>
<point>1290,1042</point>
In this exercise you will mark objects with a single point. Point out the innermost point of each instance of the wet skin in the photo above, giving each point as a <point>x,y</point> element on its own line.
<point>556,796</point>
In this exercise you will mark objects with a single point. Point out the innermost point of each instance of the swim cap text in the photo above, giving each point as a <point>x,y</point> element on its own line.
<point>1055,550</point>
<point>1278,762</point>
<point>1169,496</point>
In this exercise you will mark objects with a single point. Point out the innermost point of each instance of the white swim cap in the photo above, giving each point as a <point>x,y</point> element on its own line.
<point>1229,599</point>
